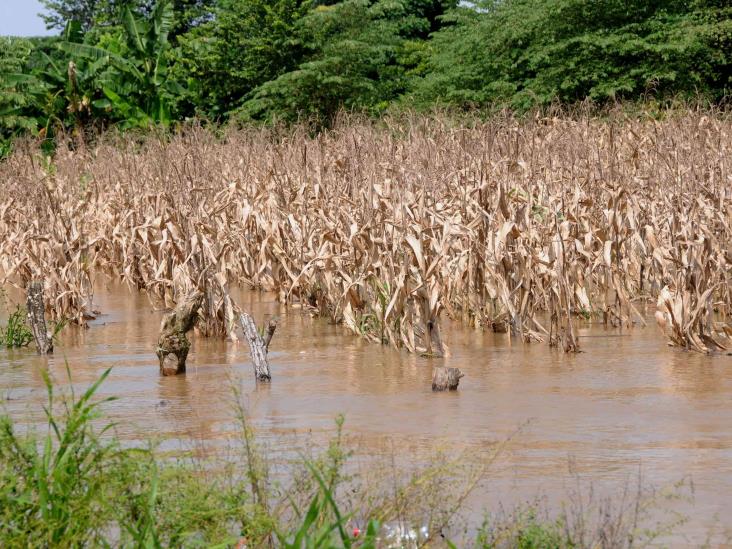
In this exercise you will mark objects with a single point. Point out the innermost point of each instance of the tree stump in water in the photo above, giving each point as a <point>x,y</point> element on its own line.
<point>173,345</point>
<point>37,317</point>
<point>444,379</point>
<point>258,346</point>
<point>271,327</point>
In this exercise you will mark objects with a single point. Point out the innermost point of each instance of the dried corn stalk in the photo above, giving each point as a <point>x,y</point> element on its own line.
<point>530,227</point>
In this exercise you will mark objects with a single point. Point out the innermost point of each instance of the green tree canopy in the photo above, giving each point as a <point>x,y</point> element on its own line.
<point>59,12</point>
<point>90,13</point>
<point>143,62</point>
<point>246,44</point>
<point>529,52</point>
<point>358,54</point>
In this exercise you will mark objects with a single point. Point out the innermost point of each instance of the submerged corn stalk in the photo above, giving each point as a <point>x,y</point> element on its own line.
<point>527,227</point>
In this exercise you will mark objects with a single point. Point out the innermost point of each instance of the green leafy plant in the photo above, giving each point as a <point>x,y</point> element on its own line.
<point>323,525</point>
<point>137,90</point>
<point>51,494</point>
<point>46,93</point>
<point>16,333</point>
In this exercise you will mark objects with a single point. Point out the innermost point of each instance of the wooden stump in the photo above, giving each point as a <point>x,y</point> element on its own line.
<point>258,346</point>
<point>173,345</point>
<point>433,340</point>
<point>271,327</point>
<point>444,379</point>
<point>37,317</point>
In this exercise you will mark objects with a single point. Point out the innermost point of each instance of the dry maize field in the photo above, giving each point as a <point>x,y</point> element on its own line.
<point>531,227</point>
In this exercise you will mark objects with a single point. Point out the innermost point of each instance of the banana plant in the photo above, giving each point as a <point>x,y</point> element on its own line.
<point>46,92</point>
<point>138,88</point>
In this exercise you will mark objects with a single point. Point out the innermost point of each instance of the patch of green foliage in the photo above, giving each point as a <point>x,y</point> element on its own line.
<point>247,44</point>
<point>16,333</point>
<point>104,13</point>
<point>523,53</point>
<point>144,63</point>
<point>356,55</point>
<point>77,486</point>
<point>80,83</point>
<point>52,490</point>
<point>135,87</point>
<point>524,530</point>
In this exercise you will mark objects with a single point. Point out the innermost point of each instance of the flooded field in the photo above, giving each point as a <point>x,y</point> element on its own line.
<point>627,403</point>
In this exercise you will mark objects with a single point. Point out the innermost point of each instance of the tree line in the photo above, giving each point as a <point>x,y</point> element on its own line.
<point>138,63</point>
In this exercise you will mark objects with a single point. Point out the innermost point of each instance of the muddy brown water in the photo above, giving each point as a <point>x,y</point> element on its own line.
<point>628,403</point>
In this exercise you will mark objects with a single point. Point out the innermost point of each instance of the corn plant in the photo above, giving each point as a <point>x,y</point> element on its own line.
<point>531,227</point>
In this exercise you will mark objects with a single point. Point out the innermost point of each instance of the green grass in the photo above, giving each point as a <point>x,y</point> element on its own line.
<point>77,486</point>
<point>525,530</point>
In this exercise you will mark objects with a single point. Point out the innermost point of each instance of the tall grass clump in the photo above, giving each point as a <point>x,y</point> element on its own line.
<point>54,490</point>
<point>76,485</point>
<point>528,226</point>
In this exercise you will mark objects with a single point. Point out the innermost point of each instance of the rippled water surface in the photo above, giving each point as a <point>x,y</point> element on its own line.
<point>627,403</point>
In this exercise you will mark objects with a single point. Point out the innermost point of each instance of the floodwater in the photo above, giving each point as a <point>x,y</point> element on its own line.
<point>628,403</point>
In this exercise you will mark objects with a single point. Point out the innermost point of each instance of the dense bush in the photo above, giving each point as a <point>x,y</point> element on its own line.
<point>528,52</point>
<point>247,44</point>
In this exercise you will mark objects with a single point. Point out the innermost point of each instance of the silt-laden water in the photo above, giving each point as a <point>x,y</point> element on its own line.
<point>629,403</point>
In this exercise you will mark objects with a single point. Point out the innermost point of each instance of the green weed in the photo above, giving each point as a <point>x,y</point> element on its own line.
<point>53,491</point>
<point>16,333</point>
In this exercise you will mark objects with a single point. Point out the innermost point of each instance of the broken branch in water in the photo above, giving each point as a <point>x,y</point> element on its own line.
<point>258,346</point>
